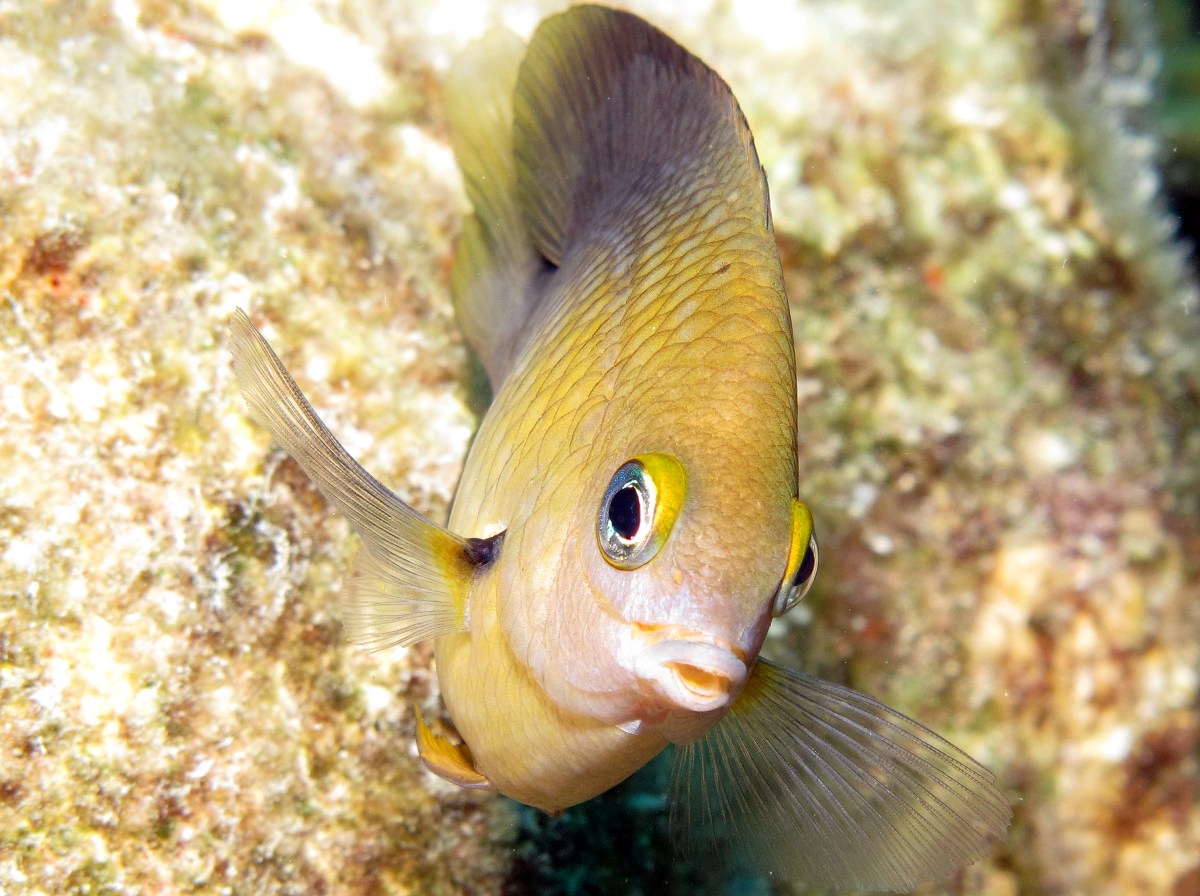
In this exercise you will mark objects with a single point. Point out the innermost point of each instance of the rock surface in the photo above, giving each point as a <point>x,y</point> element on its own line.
<point>999,365</point>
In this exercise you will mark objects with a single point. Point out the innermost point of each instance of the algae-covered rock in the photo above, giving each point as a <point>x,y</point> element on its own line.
<point>1000,359</point>
<point>177,711</point>
<point>999,364</point>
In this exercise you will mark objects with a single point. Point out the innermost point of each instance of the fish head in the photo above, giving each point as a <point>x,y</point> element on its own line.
<point>653,527</point>
<point>679,568</point>
<point>696,600</point>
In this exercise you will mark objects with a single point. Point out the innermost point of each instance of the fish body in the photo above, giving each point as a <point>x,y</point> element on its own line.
<point>628,519</point>
<point>660,327</point>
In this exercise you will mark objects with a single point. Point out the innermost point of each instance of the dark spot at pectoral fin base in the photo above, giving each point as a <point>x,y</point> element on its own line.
<point>447,759</point>
<point>411,577</point>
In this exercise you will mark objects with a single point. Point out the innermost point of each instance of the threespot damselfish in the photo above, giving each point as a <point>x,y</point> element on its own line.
<point>628,521</point>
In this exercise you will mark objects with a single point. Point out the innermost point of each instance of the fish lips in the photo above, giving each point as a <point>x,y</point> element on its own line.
<point>692,674</point>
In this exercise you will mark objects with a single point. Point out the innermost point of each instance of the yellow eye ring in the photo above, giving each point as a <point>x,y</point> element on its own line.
<point>802,561</point>
<point>639,509</point>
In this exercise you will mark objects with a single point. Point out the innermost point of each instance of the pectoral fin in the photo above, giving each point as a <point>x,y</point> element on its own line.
<point>446,759</point>
<point>411,576</point>
<point>822,784</point>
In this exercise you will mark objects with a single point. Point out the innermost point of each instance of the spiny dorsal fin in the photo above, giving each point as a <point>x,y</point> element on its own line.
<point>608,110</point>
<point>824,785</point>
<point>411,576</point>
<point>495,263</point>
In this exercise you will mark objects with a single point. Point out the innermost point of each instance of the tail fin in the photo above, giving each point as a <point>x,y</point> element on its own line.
<point>496,263</point>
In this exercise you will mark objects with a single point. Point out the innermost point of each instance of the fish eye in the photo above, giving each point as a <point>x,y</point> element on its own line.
<point>639,509</point>
<point>802,567</point>
<point>626,511</point>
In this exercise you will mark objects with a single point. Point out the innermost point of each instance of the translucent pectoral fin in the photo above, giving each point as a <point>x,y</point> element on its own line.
<point>447,759</point>
<point>822,784</point>
<point>411,576</point>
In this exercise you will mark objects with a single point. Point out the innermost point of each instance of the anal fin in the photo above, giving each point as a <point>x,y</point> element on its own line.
<point>447,759</point>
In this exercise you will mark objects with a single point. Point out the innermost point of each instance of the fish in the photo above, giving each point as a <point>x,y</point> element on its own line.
<point>628,520</point>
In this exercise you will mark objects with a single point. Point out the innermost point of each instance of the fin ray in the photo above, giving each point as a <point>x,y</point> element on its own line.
<point>495,262</point>
<point>826,785</point>
<point>411,576</point>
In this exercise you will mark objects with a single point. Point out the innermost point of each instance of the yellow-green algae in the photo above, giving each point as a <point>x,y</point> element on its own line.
<point>999,366</point>
<point>177,713</point>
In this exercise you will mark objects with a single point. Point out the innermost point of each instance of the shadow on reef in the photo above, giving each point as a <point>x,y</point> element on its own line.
<point>618,843</point>
<point>1178,114</point>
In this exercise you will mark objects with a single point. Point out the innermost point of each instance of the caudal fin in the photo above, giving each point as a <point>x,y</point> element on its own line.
<point>495,263</point>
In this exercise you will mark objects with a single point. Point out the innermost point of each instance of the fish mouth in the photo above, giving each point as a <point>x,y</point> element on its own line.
<point>692,674</point>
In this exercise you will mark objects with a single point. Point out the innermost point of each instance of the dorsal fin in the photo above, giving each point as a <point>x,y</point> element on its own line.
<point>608,110</point>
<point>603,117</point>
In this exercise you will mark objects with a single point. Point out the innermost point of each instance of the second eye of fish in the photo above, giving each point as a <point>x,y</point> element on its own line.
<point>793,592</point>
<point>802,561</point>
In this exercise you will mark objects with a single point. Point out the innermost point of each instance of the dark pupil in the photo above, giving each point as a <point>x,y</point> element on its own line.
<point>807,565</point>
<point>625,512</point>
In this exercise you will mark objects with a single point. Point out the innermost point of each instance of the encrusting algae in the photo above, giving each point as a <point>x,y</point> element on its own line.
<point>628,521</point>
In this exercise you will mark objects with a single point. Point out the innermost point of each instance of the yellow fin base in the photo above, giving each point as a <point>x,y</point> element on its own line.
<point>446,759</point>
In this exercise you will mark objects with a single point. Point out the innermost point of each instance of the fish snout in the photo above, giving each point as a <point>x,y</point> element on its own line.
<point>692,675</point>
